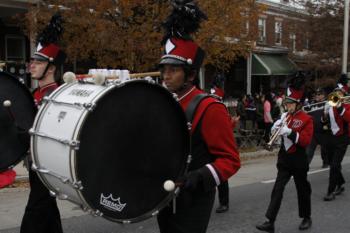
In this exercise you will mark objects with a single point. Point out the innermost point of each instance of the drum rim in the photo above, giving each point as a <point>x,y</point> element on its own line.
<point>73,153</point>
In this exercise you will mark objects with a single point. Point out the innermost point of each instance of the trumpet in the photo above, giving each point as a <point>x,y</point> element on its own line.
<point>335,99</point>
<point>284,121</point>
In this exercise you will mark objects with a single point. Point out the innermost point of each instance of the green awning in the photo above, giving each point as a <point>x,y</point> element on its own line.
<point>272,64</point>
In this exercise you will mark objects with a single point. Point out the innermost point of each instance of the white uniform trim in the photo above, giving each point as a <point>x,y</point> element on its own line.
<point>334,126</point>
<point>297,138</point>
<point>287,142</point>
<point>213,172</point>
<point>342,113</point>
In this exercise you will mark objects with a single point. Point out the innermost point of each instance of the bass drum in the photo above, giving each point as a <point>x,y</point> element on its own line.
<point>13,141</point>
<point>110,148</point>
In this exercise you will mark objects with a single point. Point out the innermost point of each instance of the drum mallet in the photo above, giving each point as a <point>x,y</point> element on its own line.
<point>7,105</point>
<point>170,185</point>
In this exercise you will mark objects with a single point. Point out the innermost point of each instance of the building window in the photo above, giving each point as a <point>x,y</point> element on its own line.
<point>262,30</point>
<point>292,39</point>
<point>278,32</point>
<point>307,41</point>
<point>245,27</point>
<point>14,48</point>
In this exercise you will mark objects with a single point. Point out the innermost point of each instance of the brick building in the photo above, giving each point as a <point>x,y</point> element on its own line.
<point>15,46</point>
<point>280,35</point>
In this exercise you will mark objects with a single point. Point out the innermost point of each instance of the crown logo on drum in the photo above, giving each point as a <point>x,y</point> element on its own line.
<point>111,203</point>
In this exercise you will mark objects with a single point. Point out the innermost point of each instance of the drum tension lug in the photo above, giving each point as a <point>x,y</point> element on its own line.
<point>155,213</point>
<point>89,106</point>
<point>96,213</point>
<point>74,144</point>
<point>62,196</point>
<point>77,185</point>
<point>53,194</point>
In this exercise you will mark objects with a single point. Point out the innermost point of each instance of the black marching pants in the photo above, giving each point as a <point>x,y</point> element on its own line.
<point>336,149</point>
<point>223,193</point>
<point>192,215</point>
<point>41,214</point>
<point>285,171</point>
<point>318,139</point>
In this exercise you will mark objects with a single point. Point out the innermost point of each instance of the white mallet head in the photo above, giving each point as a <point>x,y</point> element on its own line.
<point>69,77</point>
<point>169,185</point>
<point>99,79</point>
<point>7,103</point>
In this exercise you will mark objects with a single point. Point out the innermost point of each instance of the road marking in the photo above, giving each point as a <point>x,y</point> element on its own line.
<point>309,173</point>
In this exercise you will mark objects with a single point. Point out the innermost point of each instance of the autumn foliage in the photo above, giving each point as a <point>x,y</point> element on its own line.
<point>324,27</point>
<point>127,33</point>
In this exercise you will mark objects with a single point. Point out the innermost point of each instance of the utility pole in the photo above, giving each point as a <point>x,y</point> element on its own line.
<point>345,37</point>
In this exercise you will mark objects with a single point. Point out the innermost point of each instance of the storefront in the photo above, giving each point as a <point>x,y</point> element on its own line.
<point>14,45</point>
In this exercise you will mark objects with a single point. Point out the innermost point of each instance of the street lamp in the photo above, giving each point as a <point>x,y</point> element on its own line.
<point>345,36</point>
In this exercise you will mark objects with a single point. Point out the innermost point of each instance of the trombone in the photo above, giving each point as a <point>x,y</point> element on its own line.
<point>334,99</point>
<point>314,107</point>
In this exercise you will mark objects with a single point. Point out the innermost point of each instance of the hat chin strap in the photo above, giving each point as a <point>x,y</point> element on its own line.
<point>45,71</point>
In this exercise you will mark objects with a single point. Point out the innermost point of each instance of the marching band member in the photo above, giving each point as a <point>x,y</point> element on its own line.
<point>223,188</point>
<point>296,134</point>
<point>41,214</point>
<point>215,157</point>
<point>320,135</point>
<point>337,118</point>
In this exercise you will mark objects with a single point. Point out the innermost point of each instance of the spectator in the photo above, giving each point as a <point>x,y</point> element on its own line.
<point>267,116</point>
<point>241,111</point>
<point>251,110</point>
<point>259,102</point>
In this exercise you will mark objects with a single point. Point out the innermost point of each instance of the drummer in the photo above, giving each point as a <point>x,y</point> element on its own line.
<point>41,214</point>
<point>215,157</point>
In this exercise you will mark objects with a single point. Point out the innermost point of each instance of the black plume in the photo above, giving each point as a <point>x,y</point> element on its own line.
<point>184,20</point>
<point>219,80</point>
<point>343,79</point>
<point>298,81</point>
<point>52,32</point>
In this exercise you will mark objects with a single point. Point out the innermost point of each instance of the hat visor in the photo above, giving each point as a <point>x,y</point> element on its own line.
<point>289,100</point>
<point>37,57</point>
<point>171,61</point>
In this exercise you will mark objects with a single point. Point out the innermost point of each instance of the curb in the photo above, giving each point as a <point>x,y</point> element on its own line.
<point>261,153</point>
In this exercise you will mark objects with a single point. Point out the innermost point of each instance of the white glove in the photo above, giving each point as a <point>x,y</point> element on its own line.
<point>285,131</point>
<point>327,106</point>
<point>276,125</point>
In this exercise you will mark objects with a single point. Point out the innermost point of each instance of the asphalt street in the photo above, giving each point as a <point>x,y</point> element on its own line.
<point>250,191</point>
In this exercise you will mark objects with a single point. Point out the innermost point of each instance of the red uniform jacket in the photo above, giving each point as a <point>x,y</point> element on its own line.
<point>216,131</point>
<point>219,92</point>
<point>338,119</point>
<point>302,131</point>
<point>7,178</point>
<point>40,92</point>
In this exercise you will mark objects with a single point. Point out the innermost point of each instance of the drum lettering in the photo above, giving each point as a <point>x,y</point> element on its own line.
<point>111,203</point>
<point>61,116</point>
<point>80,93</point>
